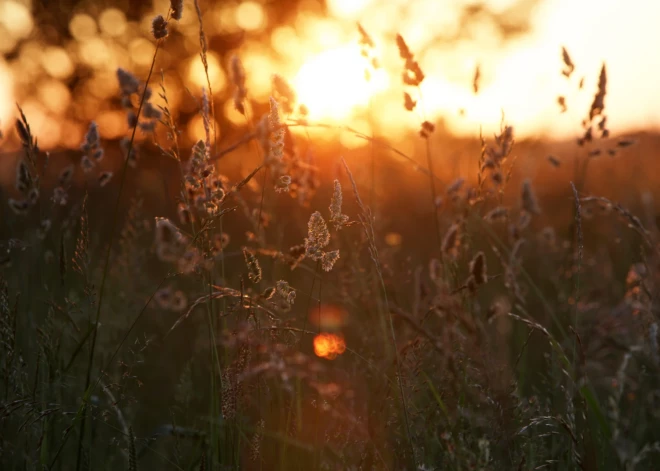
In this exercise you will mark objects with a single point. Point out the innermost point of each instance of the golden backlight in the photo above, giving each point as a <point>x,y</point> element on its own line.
<point>6,88</point>
<point>520,73</point>
<point>516,44</point>
<point>333,85</point>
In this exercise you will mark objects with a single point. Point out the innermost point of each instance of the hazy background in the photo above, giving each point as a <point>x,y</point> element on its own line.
<point>59,59</point>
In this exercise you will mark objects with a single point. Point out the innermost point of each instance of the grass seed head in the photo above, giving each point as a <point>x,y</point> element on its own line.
<point>528,200</point>
<point>128,83</point>
<point>238,79</point>
<point>497,214</point>
<point>104,178</point>
<point>450,242</point>
<point>176,6</point>
<point>328,259</point>
<point>159,27</point>
<point>286,96</point>
<point>336,217</point>
<point>285,291</point>
<point>254,268</point>
<point>318,236</point>
<point>478,268</point>
<point>66,175</point>
<point>598,104</point>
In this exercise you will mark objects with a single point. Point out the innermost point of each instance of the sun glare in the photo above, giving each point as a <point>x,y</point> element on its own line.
<point>6,92</point>
<point>319,52</point>
<point>333,84</point>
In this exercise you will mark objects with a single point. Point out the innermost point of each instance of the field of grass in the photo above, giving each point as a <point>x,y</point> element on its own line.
<point>328,312</point>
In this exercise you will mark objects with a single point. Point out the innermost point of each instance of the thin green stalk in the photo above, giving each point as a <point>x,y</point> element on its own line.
<point>113,229</point>
<point>398,369</point>
<point>318,400</point>
<point>88,392</point>
<point>372,198</point>
<point>367,225</point>
<point>429,163</point>
<point>304,329</point>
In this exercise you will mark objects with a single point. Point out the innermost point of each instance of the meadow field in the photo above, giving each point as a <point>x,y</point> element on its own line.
<point>207,264</point>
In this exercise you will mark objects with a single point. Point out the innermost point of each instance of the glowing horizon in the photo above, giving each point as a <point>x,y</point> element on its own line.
<point>520,76</point>
<point>319,54</point>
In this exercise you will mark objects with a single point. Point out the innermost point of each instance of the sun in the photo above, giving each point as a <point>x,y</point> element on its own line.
<point>333,84</point>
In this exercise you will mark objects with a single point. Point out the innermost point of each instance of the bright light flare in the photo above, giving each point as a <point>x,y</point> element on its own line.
<point>329,346</point>
<point>6,96</point>
<point>333,84</point>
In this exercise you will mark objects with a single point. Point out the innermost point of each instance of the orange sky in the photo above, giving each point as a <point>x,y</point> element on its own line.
<point>522,75</point>
<point>320,56</point>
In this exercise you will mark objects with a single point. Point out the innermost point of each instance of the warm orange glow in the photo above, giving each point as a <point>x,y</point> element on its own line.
<point>250,16</point>
<point>332,84</point>
<point>197,74</point>
<point>259,85</point>
<point>141,51</point>
<point>103,85</point>
<point>113,22</point>
<point>348,8</point>
<point>95,52</point>
<point>55,96</point>
<point>82,27</point>
<point>72,134</point>
<point>16,19</point>
<point>42,124</point>
<point>112,124</point>
<point>225,19</point>
<point>6,91</point>
<point>232,114</point>
<point>328,317</point>
<point>196,129</point>
<point>393,239</point>
<point>520,74</point>
<point>329,346</point>
<point>317,50</point>
<point>7,42</point>
<point>56,62</point>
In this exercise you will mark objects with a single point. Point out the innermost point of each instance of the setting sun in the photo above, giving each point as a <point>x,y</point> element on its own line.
<point>332,84</point>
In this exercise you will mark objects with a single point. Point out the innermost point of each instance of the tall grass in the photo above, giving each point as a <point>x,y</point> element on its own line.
<point>273,323</point>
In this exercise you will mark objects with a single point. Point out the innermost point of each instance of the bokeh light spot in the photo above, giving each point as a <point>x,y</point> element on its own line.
<point>141,51</point>
<point>95,52</point>
<point>348,8</point>
<point>112,124</point>
<point>112,22</point>
<point>16,19</point>
<point>56,62</point>
<point>329,346</point>
<point>250,16</point>
<point>197,74</point>
<point>328,317</point>
<point>393,239</point>
<point>82,27</point>
<point>55,96</point>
